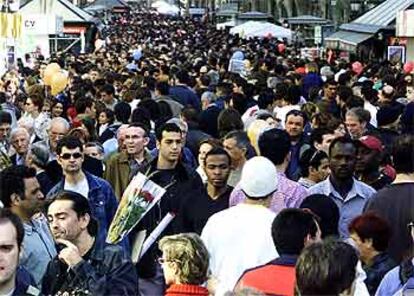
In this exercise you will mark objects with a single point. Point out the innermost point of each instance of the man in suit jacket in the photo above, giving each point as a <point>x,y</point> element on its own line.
<point>20,139</point>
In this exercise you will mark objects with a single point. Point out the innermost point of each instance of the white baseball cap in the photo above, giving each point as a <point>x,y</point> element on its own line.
<point>259,178</point>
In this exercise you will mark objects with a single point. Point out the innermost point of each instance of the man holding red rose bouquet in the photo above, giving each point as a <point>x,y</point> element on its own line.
<point>181,184</point>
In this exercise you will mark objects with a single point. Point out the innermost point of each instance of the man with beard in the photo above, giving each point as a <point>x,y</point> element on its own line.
<point>369,156</point>
<point>349,194</point>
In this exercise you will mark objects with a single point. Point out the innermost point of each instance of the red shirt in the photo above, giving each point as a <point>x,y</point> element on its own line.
<point>275,278</point>
<point>186,290</point>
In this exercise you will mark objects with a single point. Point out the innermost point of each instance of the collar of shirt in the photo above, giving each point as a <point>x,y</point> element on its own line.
<point>286,260</point>
<point>306,182</point>
<point>28,228</point>
<point>356,190</point>
<point>35,223</point>
<point>19,159</point>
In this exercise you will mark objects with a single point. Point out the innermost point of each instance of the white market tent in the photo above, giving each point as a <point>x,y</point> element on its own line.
<point>224,25</point>
<point>261,29</point>
<point>165,8</point>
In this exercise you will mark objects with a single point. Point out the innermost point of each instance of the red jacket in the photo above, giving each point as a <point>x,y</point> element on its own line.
<point>186,290</point>
<point>274,278</point>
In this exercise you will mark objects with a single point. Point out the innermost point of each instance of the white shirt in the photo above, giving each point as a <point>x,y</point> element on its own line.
<point>237,239</point>
<point>250,115</point>
<point>373,111</point>
<point>102,128</point>
<point>134,103</point>
<point>81,187</point>
<point>202,174</point>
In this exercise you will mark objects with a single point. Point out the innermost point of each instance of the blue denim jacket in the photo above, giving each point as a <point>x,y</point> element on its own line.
<point>24,284</point>
<point>102,201</point>
<point>38,248</point>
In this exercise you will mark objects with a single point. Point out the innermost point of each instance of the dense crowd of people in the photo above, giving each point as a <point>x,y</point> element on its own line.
<point>284,176</point>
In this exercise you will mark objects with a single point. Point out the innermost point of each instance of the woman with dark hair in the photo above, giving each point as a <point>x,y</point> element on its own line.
<point>33,110</point>
<point>57,109</point>
<point>88,126</point>
<point>105,119</point>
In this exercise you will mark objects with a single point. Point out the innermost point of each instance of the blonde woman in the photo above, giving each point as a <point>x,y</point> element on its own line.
<point>185,262</point>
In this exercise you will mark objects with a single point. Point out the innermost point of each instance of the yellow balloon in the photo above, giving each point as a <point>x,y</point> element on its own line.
<point>59,82</point>
<point>50,71</point>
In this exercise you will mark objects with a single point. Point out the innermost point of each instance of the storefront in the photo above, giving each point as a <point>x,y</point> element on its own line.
<point>59,25</point>
<point>367,37</point>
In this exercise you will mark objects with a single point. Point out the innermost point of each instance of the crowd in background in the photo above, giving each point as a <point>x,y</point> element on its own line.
<point>285,176</point>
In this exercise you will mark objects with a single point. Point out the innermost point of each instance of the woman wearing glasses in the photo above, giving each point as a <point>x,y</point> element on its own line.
<point>185,262</point>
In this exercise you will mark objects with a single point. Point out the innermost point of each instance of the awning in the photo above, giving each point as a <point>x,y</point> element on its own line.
<point>307,20</point>
<point>346,40</point>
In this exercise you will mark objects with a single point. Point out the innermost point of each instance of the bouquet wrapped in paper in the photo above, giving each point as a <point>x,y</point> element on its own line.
<point>139,197</point>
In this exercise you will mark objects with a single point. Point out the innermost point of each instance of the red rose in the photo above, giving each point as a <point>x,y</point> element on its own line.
<point>147,196</point>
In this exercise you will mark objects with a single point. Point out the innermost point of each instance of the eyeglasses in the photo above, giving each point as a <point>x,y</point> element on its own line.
<point>67,156</point>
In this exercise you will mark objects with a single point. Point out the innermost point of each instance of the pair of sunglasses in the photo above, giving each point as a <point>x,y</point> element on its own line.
<point>75,155</point>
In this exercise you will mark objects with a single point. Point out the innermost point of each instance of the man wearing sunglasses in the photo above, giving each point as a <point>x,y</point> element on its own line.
<point>99,193</point>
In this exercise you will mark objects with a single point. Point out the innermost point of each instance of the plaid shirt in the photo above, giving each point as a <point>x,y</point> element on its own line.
<point>288,195</point>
